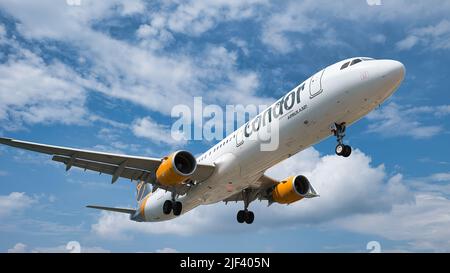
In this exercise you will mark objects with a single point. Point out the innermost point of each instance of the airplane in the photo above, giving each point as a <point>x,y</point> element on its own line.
<point>233,170</point>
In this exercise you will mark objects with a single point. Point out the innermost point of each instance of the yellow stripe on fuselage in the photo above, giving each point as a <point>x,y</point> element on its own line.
<point>142,205</point>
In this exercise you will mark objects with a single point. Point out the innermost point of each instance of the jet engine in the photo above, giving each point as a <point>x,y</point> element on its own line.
<point>291,189</point>
<point>176,168</point>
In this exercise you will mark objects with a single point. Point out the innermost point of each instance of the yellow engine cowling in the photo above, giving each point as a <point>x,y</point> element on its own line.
<point>291,189</point>
<point>176,168</point>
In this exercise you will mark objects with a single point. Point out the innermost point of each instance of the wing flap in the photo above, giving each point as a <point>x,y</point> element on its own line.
<point>129,173</point>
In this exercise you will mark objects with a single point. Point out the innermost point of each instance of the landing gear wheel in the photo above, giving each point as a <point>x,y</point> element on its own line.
<point>339,132</point>
<point>340,149</point>
<point>167,207</point>
<point>177,208</point>
<point>240,216</point>
<point>249,217</point>
<point>343,150</point>
<point>347,151</point>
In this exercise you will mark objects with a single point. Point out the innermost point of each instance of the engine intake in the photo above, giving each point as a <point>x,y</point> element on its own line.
<point>291,189</point>
<point>176,168</point>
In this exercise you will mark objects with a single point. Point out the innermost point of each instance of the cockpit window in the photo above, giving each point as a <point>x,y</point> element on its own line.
<point>355,61</point>
<point>345,65</point>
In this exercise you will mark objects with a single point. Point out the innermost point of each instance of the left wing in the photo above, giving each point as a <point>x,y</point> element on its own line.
<point>126,166</point>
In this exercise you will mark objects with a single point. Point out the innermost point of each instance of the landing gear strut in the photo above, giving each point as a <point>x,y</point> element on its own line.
<point>339,132</point>
<point>245,215</point>
<point>172,206</point>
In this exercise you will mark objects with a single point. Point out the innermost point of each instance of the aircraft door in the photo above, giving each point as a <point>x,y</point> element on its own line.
<point>315,84</point>
<point>240,137</point>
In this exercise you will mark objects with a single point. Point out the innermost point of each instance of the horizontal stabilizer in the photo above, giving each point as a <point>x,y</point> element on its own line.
<point>121,210</point>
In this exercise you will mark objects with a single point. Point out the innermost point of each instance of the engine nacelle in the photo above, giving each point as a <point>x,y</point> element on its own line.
<point>176,168</point>
<point>291,189</point>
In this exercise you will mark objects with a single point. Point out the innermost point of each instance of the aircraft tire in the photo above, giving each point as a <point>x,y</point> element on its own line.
<point>177,208</point>
<point>249,217</point>
<point>241,216</point>
<point>347,151</point>
<point>167,207</point>
<point>340,149</point>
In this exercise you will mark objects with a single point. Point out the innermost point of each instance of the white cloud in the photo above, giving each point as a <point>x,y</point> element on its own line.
<point>292,19</point>
<point>284,30</point>
<point>148,128</point>
<point>378,38</point>
<point>433,37</point>
<point>18,248</point>
<point>155,80</point>
<point>32,91</point>
<point>242,44</point>
<point>435,184</point>
<point>124,228</point>
<point>441,177</point>
<point>158,82</point>
<point>2,32</point>
<point>154,37</point>
<point>167,250</point>
<point>66,249</point>
<point>407,43</point>
<point>58,20</point>
<point>423,224</point>
<point>197,17</point>
<point>23,248</point>
<point>130,7</point>
<point>15,202</point>
<point>397,120</point>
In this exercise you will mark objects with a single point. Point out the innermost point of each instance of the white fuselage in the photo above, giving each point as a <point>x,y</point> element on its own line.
<point>333,95</point>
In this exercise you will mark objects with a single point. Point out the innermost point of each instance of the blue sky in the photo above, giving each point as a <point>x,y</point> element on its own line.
<point>104,75</point>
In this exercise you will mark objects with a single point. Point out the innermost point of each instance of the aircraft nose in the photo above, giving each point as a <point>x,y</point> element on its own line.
<point>396,69</point>
<point>393,71</point>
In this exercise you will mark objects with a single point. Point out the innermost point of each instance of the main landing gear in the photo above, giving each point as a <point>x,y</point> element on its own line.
<point>339,133</point>
<point>245,215</point>
<point>172,206</point>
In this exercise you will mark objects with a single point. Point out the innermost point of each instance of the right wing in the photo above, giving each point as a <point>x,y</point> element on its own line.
<point>261,191</point>
<point>131,167</point>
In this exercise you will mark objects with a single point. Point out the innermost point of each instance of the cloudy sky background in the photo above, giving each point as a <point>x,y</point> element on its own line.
<point>105,75</point>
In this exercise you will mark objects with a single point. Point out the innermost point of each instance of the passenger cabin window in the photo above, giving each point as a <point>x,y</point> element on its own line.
<point>345,65</point>
<point>355,61</point>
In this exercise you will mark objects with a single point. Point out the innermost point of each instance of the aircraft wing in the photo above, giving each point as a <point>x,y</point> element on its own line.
<point>125,166</point>
<point>121,210</point>
<point>261,189</point>
<point>258,191</point>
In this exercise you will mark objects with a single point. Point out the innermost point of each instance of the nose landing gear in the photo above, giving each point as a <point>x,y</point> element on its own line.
<point>339,132</point>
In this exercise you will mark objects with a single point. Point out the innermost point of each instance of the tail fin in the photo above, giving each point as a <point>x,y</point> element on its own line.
<point>142,189</point>
<point>121,210</point>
